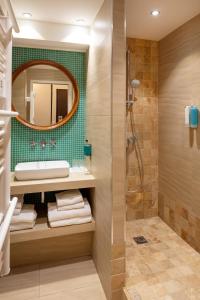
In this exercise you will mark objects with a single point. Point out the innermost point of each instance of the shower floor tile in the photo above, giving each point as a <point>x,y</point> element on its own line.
<point>165,268</point>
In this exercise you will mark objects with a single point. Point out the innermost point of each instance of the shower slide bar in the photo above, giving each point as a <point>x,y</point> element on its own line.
<point>4,227</point>
<point>7,113</point>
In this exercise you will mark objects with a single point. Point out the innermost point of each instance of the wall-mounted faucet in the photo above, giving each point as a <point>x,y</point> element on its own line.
<point>53,143</point>
<point>33,144</point>
<point>43,143</point>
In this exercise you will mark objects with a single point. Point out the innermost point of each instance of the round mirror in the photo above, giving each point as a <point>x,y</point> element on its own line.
<point>45,94</point>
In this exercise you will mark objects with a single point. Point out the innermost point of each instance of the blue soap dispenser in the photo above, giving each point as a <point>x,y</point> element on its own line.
<point>194,116</point>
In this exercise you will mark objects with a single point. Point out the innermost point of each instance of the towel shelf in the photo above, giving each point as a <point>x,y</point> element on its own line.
<point>4,227</point>
<point>55,184</point>
<point>42,231</point>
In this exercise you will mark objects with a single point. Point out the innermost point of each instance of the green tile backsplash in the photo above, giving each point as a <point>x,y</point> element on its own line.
<point>70,137</point>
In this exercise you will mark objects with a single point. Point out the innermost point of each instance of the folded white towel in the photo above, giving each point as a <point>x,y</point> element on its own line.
<point>22,226</point>
<point>55,215</point>
<point>73,221</point>
<point>68,197</point>
<point>73,206</point>
<point>20,201</point>
<point>27,215</point>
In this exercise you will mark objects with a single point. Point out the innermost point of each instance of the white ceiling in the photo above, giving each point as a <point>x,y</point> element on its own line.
<point>173,13</point>
<point>58,11</point>
<point>140,23</point>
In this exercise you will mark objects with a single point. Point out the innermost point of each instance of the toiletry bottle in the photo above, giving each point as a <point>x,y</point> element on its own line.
<point>187,116</point>
<point>87,154</point>
<point>194,116</point>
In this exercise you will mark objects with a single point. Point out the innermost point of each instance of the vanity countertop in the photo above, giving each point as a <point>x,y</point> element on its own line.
<point>73,181</point>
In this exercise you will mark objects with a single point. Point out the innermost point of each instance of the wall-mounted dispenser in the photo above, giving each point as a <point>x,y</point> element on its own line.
<point>194,116</point>
<point>187,116</point>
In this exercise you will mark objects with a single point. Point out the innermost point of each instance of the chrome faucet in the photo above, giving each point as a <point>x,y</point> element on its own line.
<point>33,144</point>
<point>53,143</point>
<point>43,144</point>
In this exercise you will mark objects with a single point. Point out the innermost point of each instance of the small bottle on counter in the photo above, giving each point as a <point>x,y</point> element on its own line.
<point>88,156</point>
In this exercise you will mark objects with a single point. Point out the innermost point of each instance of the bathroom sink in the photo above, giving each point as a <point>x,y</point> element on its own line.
<point>42,170</point>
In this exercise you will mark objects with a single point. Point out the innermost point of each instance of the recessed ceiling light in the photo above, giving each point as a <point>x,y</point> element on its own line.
<point>80,21</point>
<point>155,12</point>
<point>27,15</point>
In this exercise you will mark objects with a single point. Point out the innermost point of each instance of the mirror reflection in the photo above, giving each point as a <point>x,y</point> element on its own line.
<point>43,95</point>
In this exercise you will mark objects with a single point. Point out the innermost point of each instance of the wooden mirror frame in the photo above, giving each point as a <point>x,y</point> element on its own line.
<point>31,63</point>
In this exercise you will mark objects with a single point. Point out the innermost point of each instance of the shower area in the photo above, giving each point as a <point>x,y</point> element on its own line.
<point>142,129</point>
<point>162,224</point>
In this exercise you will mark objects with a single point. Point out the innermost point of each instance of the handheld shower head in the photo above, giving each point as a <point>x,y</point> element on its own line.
<point>135,83</point>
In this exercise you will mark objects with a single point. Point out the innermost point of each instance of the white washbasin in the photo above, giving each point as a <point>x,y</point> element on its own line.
<point>42,170</point>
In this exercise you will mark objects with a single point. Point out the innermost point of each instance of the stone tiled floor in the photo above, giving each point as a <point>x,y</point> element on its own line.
<point>74,280</point>
<point>166,268</point>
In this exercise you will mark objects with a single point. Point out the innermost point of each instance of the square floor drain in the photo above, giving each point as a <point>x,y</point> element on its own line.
<point>140,240</point>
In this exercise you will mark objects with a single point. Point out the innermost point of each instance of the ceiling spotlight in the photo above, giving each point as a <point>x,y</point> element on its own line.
<point>27,15</point>
<point>155,12</point>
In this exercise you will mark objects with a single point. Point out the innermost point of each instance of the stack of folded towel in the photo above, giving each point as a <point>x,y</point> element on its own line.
<point>24,215</point>
<point>69,209</point>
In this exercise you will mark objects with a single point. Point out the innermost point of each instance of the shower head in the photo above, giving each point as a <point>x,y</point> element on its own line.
<point>135,83</point>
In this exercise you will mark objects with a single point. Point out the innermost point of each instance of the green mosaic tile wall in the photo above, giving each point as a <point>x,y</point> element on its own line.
<point>70,137</point>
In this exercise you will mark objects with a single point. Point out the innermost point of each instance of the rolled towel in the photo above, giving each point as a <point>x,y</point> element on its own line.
<point>55,215</point>
<point>73,221</point>
<point>27,215</point>
<point>22,226</point>
<point>73,206</point>
<point>68,197</point>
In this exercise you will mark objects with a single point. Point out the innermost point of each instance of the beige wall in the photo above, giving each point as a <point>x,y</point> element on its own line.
<point>144,66</point>
<point>105,126</point>
<point>118,139</point>
<point>179,147</point>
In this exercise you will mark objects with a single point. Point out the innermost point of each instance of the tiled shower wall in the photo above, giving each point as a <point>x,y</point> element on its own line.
<point>144,66</point>
<point>179,146</point>
<point>70,137</point>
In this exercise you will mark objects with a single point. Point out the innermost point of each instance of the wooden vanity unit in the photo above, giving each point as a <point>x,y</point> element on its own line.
<point>42,243</point>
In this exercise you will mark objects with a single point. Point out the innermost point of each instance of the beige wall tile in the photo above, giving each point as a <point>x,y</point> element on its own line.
<point>179,157</point>
<point>144,66</point>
